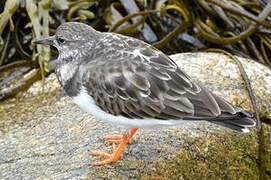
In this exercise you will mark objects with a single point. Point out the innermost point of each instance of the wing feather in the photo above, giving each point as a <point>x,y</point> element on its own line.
<point>143,82</point>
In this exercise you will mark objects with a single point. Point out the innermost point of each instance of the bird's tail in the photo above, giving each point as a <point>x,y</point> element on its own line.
<point>240,122</point>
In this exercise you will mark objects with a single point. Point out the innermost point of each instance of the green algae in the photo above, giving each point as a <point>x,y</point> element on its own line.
<point>212,156</point>
<point>223,156</point>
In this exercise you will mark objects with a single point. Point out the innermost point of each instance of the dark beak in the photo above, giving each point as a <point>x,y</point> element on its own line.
<point>46,41</point>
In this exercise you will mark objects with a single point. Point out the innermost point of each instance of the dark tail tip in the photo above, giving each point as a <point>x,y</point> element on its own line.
<point>240,122</point>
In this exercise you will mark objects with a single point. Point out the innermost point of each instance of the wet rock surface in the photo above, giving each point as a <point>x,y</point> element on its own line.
<point>44,136</point>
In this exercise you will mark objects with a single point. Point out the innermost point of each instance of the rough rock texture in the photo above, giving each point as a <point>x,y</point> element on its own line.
<point>44,136</point>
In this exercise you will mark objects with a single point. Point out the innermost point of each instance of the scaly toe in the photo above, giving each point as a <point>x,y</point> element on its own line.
<point>109,158</point>
<point>117,139</point>
<point>114,138</point>
<point>104,162</point>
<point>100,153</point>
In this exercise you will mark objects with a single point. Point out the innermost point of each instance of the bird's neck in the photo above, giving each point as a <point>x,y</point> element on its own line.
<point>67,75</point>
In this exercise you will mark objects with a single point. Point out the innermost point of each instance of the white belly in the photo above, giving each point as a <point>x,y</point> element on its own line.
<point>87,103</point>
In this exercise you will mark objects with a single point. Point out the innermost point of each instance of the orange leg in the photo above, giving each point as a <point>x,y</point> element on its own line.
<point>117,138</point>
<point>123,140</point>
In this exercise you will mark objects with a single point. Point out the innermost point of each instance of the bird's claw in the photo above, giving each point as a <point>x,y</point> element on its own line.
<point>109,158</point>
<point>121,141</point>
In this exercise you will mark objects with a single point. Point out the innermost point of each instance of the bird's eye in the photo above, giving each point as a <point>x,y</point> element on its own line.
<point>60,40</point>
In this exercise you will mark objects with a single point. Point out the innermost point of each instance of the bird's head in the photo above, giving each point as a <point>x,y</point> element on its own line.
<point>73,41</point>
<point>71,38</point>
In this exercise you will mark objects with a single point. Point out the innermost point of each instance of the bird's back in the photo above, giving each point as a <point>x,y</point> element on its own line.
<point>127,77</point>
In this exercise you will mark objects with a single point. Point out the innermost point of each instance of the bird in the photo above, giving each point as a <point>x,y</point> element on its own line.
<point>128,82</point>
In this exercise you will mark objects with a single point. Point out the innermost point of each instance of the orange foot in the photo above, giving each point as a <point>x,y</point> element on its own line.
<point>122,140</point>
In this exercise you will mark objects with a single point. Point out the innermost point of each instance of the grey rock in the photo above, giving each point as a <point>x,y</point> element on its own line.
<point>42,137</point>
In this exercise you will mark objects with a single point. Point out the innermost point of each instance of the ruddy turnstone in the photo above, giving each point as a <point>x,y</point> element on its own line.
<point>125,81</point>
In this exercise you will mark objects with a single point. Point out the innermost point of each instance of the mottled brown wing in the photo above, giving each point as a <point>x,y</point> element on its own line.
<point>131,78</point>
